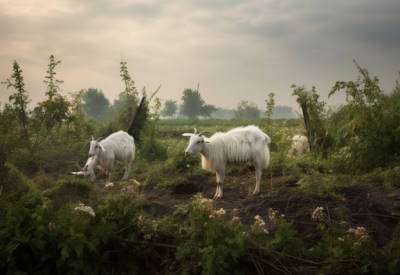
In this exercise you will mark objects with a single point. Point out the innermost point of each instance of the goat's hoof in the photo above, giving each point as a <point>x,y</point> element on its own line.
<point>256,193</point>
<point>217,197</point>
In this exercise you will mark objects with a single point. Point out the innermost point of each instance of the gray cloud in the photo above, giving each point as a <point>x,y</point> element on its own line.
<point>243,49</point>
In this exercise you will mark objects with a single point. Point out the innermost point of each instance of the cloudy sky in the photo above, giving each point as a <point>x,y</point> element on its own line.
<point>235,49</point>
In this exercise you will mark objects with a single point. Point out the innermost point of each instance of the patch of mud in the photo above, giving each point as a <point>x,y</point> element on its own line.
<point>187,188</point>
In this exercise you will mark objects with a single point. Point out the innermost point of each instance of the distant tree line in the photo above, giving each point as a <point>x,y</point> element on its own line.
<point>193,105</point>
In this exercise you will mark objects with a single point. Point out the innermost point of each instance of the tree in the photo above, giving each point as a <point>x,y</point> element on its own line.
<point>192,103</point>
<point>207,110</point>
<point>170,108</point>
<point>130,88</point>
<point>96,105</point>
<point>19,100</point>
<point>270,102</point>
<point>128,100</point>
<point>314,117</point>
<point>53,85</point>
<point>55,109</point>
<point>246,110</point>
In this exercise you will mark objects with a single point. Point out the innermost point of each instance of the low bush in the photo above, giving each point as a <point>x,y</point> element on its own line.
<point>115,236</point>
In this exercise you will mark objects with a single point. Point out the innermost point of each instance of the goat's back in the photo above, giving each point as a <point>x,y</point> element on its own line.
<point>121,144</point>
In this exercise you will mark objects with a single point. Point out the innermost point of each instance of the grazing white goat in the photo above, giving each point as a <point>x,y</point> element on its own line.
<point>239,145</point>
<point>88,169</point>
<point>299,145</point>
<point>117,146</point>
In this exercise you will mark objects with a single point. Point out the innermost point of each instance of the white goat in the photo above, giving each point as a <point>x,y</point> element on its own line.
<point>117,146</point>
<point>89,169</point>
<point>299,145</point>
<point>239,145</point>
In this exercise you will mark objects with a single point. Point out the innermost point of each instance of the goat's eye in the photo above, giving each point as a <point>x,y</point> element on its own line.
<point>199,142</point>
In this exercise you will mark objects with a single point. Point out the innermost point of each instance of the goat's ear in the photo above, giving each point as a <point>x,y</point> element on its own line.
<point>195,131</point>
<point>99,139</point>
<point>187,134</point>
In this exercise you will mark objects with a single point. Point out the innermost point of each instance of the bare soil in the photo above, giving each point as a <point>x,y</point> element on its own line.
<point>377,208</point>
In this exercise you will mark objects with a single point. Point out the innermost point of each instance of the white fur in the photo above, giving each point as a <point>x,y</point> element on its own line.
<point>299,145</point>
<point>89,168</point>
<point>117,146</point>
<point>239,145</point>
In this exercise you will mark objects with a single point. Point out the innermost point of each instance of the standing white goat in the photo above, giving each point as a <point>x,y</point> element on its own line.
<point>117,146</point>
<point>239,145</point>
<point>299,145</point>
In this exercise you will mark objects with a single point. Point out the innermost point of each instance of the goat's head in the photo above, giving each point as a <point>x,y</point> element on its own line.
<point>196,142</point>
<point>95,147</point>
<point>88,169</point>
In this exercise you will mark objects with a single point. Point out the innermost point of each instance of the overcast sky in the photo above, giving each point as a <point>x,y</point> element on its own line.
<point>237,50</point>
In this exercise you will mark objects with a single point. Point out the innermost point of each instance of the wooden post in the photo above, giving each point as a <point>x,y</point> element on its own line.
<point>131,129</point>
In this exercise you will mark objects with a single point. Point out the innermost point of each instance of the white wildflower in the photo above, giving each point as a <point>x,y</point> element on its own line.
<point>84,208</point>
<point>259,221</point>
<point>205,200</point>
<point>217,213</point>
<point>220,212</point>
<point>359,232</point>
<point>109,185</point>
<point>272,214</point>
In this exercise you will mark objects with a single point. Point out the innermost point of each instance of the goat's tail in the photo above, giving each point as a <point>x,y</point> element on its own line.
<point>267,138</point>
<point>266,156</point>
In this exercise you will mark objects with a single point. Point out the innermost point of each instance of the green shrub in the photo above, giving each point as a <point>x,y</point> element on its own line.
<point>69,189</point>
<point>177,160</point>
<point>211,243</point>
<point>366,130</point>
<point>24,159</point>
<point>14,182</point>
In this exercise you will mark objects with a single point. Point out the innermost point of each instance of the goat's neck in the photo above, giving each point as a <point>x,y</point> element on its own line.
<point>205,151</point>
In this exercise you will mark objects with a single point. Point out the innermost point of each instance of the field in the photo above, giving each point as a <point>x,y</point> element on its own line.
<point>335,209</point>
<point>307,218</point>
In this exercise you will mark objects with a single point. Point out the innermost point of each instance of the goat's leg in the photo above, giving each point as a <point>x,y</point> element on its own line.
<point>220,185</point>
<point>109,176</point>
<point>127,169</point>
<point>258,179</point>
